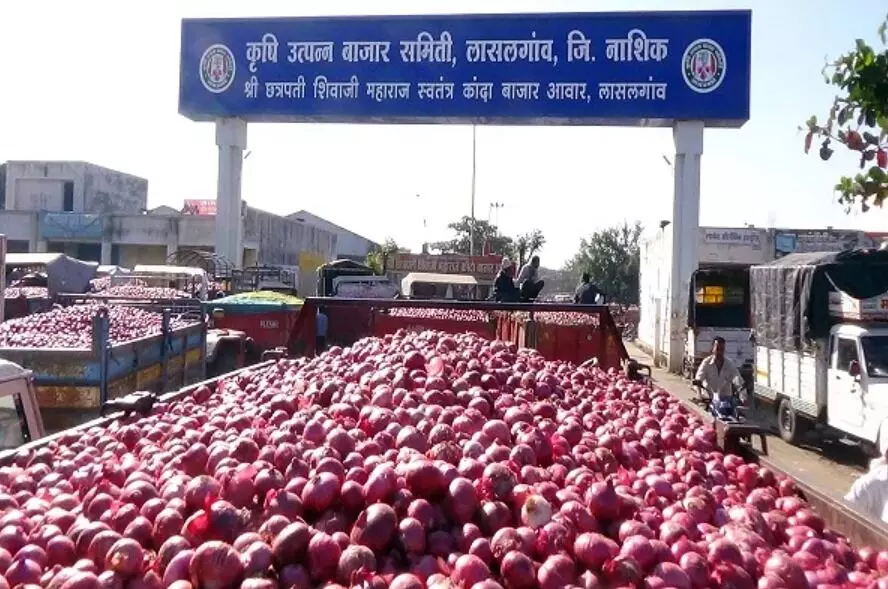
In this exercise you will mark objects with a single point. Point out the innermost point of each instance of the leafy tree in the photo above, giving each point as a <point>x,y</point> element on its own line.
<point>484,233</point>
<point>858,120</point>
<point>528,244</point>
<point>377,258</point>
<point>611,257</point>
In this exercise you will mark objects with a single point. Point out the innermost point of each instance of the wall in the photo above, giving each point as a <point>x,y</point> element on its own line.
<point>143,229</point>
<point>348,243</point>
<point>654,277</point>
<point>130,255</point>
<point>282,240</point>
<point>744,246</point>
<point>39,185</point>
<point>108,191</point>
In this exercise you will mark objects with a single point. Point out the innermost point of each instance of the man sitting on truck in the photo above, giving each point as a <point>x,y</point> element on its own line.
<point>869,493</point>
<point>504,289</point>
<point>587,293</point>
<point>717,374</point>
<point>529,282</point>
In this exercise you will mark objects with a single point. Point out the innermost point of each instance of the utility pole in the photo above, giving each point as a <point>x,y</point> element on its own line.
<point>474,170</point>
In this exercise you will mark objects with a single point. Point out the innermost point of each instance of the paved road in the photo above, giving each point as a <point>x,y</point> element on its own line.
<point>827,466</point>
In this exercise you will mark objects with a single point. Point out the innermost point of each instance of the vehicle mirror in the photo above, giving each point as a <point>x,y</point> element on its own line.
<point>854,368</point>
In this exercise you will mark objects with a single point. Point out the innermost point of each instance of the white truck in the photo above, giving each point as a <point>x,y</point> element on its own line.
<point>820,325</point>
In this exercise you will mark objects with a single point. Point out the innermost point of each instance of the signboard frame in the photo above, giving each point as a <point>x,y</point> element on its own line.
<point>579,68</point>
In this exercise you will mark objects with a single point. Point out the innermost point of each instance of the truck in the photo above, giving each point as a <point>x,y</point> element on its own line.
<point>71,385</point>
<point>718,306</point>
<point>434,286</point>
<point>820,330</point>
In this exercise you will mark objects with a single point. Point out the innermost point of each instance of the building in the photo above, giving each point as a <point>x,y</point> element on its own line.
<point>94,213</point>
<point>349,245</point>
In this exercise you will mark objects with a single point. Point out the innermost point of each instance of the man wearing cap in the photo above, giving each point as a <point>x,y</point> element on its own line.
<point>504,289</point>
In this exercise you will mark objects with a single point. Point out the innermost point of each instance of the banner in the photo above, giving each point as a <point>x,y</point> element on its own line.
<point>196,206</point>
<point>750,237</point>
<point>790,242</point>
<point>481,267</point>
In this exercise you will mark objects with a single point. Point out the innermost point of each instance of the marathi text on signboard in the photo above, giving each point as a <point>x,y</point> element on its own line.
<point>196,206</point>
<point>484,267</point>
<point>751,238</point>
<point>581,68</point>
<point>788,242</point>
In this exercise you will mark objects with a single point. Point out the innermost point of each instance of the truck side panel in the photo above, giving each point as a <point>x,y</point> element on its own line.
<point>800,377</point>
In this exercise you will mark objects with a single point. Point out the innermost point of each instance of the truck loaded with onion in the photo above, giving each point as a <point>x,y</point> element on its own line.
<point>417,461</point>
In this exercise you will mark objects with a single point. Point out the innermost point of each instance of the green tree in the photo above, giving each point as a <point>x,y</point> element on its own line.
<point>857,120</point>
<point>377,258</point>
<point>611,257</point>
<point>528,244</point>
<point>461,241</point>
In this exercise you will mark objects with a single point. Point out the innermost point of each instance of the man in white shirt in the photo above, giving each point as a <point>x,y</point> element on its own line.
<point>528,280</point>
<point>869,493</point>
<point>718,374</point>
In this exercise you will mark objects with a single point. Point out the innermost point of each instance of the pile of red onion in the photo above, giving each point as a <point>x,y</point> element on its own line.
<point>418,461</point>
<point>132,291</point>
<point>71,327</point>
<point>468,315</point>
<point>566,318</point>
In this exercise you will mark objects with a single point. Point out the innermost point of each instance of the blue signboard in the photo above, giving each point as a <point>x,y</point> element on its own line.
<point>631,68</point>
<point>62,226</point>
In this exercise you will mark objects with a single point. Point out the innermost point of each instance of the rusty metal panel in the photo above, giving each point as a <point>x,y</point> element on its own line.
<point>67,397</point>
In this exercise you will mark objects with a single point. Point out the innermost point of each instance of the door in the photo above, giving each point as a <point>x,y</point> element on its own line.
<point>845,403</point>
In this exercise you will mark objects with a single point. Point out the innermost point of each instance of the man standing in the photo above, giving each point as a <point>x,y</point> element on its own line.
<point>587,293</point>
<point>717,374</point>
<point>528,280</point>
<point>321,331</point>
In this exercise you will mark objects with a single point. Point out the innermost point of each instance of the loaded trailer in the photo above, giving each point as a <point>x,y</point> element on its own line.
<point>837,515</point>
<point>574,333</point>
<point>72,385</point>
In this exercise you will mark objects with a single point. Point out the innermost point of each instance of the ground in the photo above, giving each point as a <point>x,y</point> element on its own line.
<point>830,467</point>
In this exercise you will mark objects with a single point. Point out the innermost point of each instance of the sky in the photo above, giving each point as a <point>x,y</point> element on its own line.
<point>97,81</point>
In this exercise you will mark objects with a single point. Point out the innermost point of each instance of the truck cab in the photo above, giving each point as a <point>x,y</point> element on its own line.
<point>20,419</point>
<point>431,286</point>
<point>857,383</point>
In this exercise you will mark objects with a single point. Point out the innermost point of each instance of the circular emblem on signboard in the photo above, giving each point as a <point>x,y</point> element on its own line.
<point>217,68</point>
<point>704,65</point>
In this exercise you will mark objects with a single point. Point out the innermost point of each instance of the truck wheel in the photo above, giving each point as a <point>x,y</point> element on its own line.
<point>790,424</point>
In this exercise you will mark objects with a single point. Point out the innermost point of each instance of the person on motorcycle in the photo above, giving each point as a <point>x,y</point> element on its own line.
<point>718,374</point>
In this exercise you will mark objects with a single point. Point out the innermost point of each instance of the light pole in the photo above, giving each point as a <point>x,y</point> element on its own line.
<point>474,170</point>
<point>494,212</point>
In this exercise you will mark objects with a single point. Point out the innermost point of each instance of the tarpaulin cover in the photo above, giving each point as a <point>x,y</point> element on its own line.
<point>790,296</point>
<point>63,274</point>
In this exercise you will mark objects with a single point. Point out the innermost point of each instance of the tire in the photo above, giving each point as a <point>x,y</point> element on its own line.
<point>790,424</point>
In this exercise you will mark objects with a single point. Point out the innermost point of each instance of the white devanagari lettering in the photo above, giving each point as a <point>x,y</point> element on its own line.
<point>324,89</point>
<point>381,91</point>
<point>439,90</point>
<point>426,49</point>
<point>263,51</point>
<point>566,91</point>
<point>649,90</point>
<point>251,87</point>
<point>286,89</point>
<point>578,47</point>
<point>531,50</point>
<point>476,90</point>
<point>521,90</point>
<point>637,47</point>
<point>310,51</point>
<point>366,51</point>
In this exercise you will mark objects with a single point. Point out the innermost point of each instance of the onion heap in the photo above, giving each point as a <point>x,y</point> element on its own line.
<point>132,291</point>
<point>469,315</point>
<point>71,327</point>
<point>414,461</point>
<point>104,283</point>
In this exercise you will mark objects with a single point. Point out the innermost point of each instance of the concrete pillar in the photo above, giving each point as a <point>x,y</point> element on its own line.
<point>172,236</point>
<point>231,139</point>
<point>688,138</point>
<point>34,231</point>
<point>107,232</point>
<point>105,254</point>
